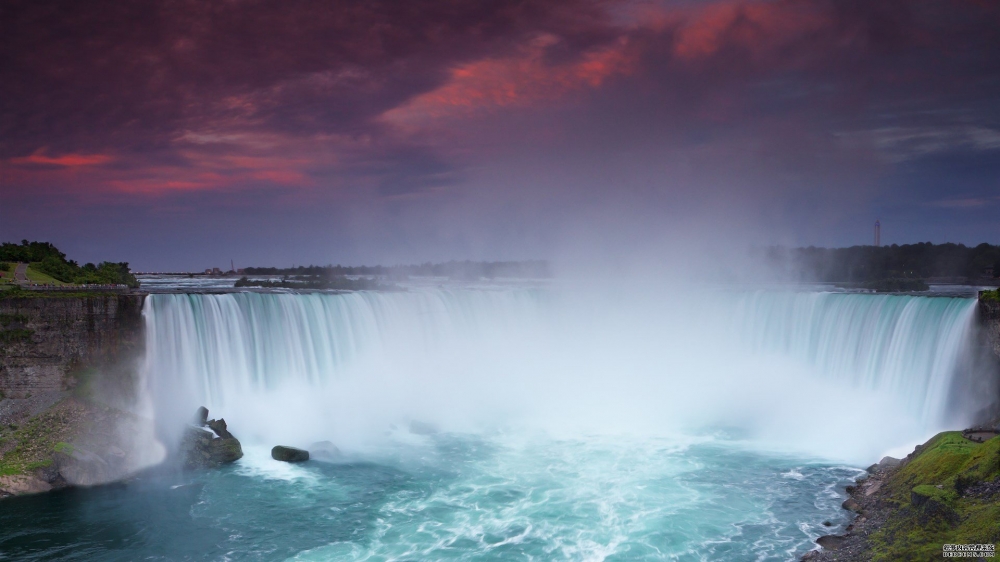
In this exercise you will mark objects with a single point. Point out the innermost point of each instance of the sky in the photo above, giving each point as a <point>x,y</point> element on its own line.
<point>180,135</point>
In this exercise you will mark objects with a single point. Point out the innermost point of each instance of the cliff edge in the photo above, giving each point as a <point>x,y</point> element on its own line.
<point>68,381</point>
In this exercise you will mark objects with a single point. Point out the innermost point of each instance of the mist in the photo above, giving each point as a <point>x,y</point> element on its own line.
<point>568,360</point>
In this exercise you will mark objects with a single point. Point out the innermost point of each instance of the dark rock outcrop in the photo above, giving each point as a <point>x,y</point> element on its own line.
<point>201,417</point>
<point>289,454</point>
<point>202,448</point>
<point>831,542</point>
<point>219,427</point>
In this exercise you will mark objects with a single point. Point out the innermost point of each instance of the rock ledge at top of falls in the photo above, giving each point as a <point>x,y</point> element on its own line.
<point>209,444</point>
<point>289,454</point>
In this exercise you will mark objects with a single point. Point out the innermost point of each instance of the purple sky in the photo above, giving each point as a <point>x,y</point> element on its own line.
<point>179,135</point>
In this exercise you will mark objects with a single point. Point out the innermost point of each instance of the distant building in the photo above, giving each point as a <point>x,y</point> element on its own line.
<point>878,234</point>
<point>208,271</point>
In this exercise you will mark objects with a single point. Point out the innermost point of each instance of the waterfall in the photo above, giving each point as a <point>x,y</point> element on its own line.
<point>768,361</point>
<point>908,346</point>
<point>207,348</point>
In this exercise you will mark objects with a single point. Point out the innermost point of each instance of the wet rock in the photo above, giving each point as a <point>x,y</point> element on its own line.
<point>219,427</point>
<point>80,467</point>
<point>828,524</point>
<point>324,450</point>
<point>811,555</point>
<point>831,542</point>
<point>289,454</point>
<point>201,448</point>
<point>851,505</point>
<point>422,428</point>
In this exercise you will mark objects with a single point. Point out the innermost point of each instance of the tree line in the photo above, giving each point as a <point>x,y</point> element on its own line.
<point>469,270</point>
<point>861,264</point>
<point>46,258</point>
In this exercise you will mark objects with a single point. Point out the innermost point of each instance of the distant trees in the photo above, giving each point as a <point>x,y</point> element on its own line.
<point>47,259</point>
<point>860,264</point>
<point>537,269</point>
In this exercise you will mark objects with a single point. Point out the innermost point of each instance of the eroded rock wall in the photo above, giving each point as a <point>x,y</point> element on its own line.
<point>51,344</point>
<point>989,317</point>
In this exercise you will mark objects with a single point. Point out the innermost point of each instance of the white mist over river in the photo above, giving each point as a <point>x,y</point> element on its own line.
<point>551,424</point>
<point>787,370</point>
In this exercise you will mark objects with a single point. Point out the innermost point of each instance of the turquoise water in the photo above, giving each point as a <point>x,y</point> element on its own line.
<point>452,497</point>
<point>572,426</point>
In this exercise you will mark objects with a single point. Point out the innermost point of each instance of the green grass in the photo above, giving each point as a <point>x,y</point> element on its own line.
<point>40,278</point>
<point>993,295</point>
<point>8,273</point>
<point>35,441</point>
<point>954,463</point>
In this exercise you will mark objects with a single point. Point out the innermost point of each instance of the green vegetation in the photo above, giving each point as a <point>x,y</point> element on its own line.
<point>932,504</point>
<point>990,296</point>
<point>50,266</point>
<point>896,285</point>
<point>34,442</point>
<point>8,319</point>
<point>16,335</point>
<point>38,277</point>
<point>7,271</point>
<point>536,269</point>
<point>859,264</point>
<point>338,283</point>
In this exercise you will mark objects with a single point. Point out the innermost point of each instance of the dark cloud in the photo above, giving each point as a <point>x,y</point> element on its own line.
<point>440,112</point>
<point>130,75</point>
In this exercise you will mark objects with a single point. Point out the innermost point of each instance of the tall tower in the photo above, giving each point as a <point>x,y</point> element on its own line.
<point>878,234</point>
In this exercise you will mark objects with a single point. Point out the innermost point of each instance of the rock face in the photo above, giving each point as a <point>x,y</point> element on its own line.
<point>289,454</point>
<point>47,343</point>
<point>211,446</point>
<point>75,443</point>
<point>67,380</point>
<point>989,319</point>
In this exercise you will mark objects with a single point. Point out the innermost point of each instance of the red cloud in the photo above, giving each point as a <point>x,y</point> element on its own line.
<point>65,161</point>
<point>523,79</point>
<point>753,26</point>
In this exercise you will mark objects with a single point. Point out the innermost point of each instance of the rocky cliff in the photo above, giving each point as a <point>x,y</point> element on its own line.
<point>68,380</point>
<point>989,318</point>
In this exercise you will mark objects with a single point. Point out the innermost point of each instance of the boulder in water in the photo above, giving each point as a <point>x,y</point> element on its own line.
<point>289,454</point>
<point>422,428</point>
<point>201,449</point>
<point>219,427</point>
<point>324,450</point>
<point>851,505</point>
<point>201,418</point>
<point>831,542</point>
<point>79,467</point>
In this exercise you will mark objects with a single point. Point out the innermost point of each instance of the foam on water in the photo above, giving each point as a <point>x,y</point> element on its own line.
<point>550,426</point>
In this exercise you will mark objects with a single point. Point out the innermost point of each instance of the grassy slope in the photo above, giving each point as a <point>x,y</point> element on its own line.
<point>8,275</point>
<point>30,446</point>
<point>36,276</point>
<point>952,462</point>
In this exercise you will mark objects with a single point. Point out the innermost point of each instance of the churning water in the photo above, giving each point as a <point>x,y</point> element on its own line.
<point>519,424</point>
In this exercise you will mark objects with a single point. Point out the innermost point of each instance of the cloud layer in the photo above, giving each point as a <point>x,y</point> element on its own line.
<point>376,131</point>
